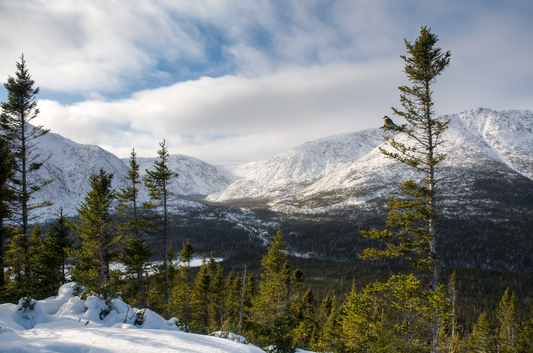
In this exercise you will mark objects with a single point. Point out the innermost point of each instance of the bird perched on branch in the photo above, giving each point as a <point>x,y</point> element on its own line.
<point>387,121</point>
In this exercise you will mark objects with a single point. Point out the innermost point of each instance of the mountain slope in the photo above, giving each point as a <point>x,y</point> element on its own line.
<point>70,164</point>
<point>196,178</point>
<point>480,144</point>
<point>299,167</point>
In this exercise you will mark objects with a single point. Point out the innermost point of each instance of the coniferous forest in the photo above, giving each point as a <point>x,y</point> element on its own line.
<point>396,298</point>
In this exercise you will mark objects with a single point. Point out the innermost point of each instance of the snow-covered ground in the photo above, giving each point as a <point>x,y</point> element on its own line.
<point>67,324</point>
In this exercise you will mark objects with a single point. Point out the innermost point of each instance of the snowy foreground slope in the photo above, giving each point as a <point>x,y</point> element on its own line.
<point>70,164</point>
<point>67,324</point>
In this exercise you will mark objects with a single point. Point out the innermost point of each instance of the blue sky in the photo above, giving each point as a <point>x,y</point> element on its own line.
<point>239,81</point>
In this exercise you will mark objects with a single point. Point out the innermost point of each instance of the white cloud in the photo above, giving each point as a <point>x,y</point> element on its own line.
<point>235,118</point>
<point>81,46</point>
<point>295,70</point>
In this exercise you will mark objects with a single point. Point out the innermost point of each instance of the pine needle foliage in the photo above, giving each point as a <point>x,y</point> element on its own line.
<point>17,112</point>
<point>134,228</point>
<point>21,160</point>
<point>395,316</point>
<point>412,218</point>
<point>49,264</point>
<point>507,332</point>
<point>94,229</point>
<point>525,340</point>
<point>157,182</point>
<point>480,340</point>
<point>415,215</point>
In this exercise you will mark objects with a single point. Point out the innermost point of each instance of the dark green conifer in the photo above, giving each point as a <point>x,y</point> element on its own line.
<point>217,309</point>
<point>133,228</point>
<point>525,339</point>
<point>157,181</point>
<point>17,112</point>
<point>50,260</point>
<point>94,229</point>
<point>22,161</point>
<point>413,217</point>
<point>182,292</point>
<point>507,331</point>
<point>279,290</point>
<point>480,340</point>
<point>201,299</point>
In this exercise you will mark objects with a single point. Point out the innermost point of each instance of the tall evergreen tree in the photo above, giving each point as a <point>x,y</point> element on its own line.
<point>480,340</point>
<point>217,309</point>
<point>50,261</point>
<point>182,293</point>
<point>233,296</point>
<point>17,112</point>
<point>507,332</point>
<point>20,260</point>
<point>201,299</point>
<point>416,214</point>
<point>157,181</point>
<point>94,229</point>
<point>136,251</point>
<point>273,310</point>
<point>525,339</point>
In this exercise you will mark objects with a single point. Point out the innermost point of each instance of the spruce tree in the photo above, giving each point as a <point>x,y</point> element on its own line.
<point>273,292</point>
<point>17,112</point>
<point>182,293</point>
<point>232,304</point>
<point>273,311</point>
<point>217,309</point>
<point>414,216</point>
<point>157,181</point>
<point>50,261</point>
<point>201,299</point>
<point>135,226</point>
<point>480,340</point>
<point>507,332</point>
<point>20,260</point>
<point>94,229</point>
<point>525,339</point>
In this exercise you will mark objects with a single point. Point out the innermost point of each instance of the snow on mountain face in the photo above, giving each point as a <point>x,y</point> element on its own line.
<point>509,132</point>
<point>196,178</point>
<point>235,172</point>
<point>299,167</point>
<point>70,165</point>
<point>335,172</point>
<point>480,144</point>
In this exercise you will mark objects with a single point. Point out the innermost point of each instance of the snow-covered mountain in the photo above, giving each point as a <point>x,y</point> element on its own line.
<point>480,145</point>
<point>293,170</point>
<point>235,172</point>
<point>337,172</point>
<point>196,178</point>
<point>70,164</point>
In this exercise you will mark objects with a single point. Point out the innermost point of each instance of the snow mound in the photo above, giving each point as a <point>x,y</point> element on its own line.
<point>66,323</point>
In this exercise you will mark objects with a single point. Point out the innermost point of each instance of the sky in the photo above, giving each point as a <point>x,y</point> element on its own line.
<point>241,81</point>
